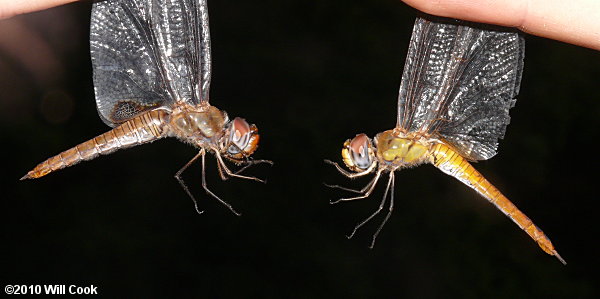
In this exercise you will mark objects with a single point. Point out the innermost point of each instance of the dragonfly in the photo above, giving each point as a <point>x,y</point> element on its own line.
<point>151,71</point>
<point>459,82</point>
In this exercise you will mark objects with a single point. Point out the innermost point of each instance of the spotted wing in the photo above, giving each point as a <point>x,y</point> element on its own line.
<point>148,54</point>
<point>460,80</point>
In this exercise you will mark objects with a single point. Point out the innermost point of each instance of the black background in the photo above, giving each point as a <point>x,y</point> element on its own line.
<point>310,74</point>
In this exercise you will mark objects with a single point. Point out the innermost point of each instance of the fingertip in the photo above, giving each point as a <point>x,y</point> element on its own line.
<point>509,13</point>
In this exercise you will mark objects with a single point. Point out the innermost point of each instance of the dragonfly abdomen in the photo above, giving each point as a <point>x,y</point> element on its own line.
<point>139,130</point>
<point>452,163</point>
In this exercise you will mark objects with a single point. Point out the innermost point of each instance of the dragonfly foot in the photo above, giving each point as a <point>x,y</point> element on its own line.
<point>351,234</point>
<point>332,202</point>
<point>197,209</point>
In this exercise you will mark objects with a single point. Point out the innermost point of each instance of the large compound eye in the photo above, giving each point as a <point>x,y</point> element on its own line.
<point>358,153</point>
<point>243,138</point>
<point>239,134</point>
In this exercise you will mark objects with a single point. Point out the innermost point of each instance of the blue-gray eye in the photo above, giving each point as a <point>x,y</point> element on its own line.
<point>359,149</point>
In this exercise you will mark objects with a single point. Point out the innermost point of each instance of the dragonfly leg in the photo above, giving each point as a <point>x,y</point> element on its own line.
<point>249,162</point>
<point>221,172</point>
<point>348,189</point>
<point>361,191</point>
<point>366,191</point>
<point>381,205</point>
<point>392,179</point>
<point>182,183</point>
<point>245,160</point>
<point>223,168</point>
<point>211,193</point>
<point>350,174</point>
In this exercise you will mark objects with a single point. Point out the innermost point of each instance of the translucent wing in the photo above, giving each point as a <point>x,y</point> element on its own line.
<point>148,54</point>
<point>460,80</point>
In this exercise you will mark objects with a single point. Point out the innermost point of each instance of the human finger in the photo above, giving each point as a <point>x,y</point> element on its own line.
<point>576,22</point>
<point>10,8</point>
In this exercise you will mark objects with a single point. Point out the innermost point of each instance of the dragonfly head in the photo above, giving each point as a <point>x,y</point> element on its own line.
<point>358,153</point>
<point>240,139</point>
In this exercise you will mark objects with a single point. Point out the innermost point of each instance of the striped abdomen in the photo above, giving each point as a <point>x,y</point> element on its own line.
<point>139,130</point>
<point>452,163</point>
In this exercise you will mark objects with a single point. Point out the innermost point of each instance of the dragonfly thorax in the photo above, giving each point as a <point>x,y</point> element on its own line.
<point>191,123</point>
<point>399,150</point>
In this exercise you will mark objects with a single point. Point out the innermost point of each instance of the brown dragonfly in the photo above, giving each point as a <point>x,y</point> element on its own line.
<point>460,80</point>
<point>152,69</point>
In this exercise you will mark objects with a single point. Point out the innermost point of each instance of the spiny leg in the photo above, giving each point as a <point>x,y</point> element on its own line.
<point>368,190</point>
<point>182,183</point>
<point>376,212</point>
<point>221,172</point>
<point>210,192</point>
<point>245,160</point>
<point>347,173</point>
<point>253,162</point>
<point>361,191</point>
<point>223,167</point>
<point>392,179</point>
<point>247,163</point>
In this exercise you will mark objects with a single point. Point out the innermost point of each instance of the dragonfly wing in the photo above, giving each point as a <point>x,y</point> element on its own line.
<point>460,80</point>
<point>148,54</point>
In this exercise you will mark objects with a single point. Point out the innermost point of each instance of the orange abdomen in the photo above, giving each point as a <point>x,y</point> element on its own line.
<point>452,163</point>
<point>142,129</point>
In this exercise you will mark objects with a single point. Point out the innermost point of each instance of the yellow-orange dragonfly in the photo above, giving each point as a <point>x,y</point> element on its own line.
<point>460,80</point>
<point>152,71</point>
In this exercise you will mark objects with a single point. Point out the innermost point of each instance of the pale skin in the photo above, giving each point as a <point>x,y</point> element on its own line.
<point>576,22</point>
<point>11,8</point>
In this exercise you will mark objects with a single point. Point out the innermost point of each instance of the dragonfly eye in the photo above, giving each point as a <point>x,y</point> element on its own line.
<point>242,140</point>
<point>358,153</point>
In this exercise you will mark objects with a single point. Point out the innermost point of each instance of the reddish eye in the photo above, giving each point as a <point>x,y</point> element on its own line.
<point>243,138</point>
<point>359,147</point>
<point>359,144</point>
<point>240,134</point>
<point>358,153</point>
